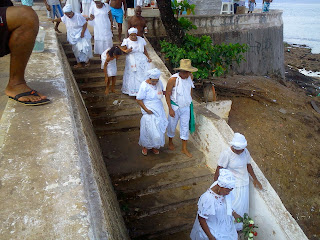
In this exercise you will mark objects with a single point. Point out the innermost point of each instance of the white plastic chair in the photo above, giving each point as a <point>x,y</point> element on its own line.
<point>227,7</point>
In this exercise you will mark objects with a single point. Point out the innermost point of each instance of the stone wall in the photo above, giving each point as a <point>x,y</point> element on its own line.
<point>263,32</point>
<point>205,7</point>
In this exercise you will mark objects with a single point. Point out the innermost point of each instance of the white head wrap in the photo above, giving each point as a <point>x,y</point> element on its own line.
<point>226,180</point>
<point>67,8</point>
<point>238,142</point>
<point>153,73</point>
<point>133,30</point>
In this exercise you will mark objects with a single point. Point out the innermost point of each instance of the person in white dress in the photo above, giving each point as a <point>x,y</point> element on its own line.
<point>179,100</point>
<point>78,35</point>
<point>100,18</point>
<point>215,217</point>
<point>238,160</point>
<point>75,5</point>
<point>109,65</point>
<point>86,4</point>
<point>137,62</point>
<point>153,122</point>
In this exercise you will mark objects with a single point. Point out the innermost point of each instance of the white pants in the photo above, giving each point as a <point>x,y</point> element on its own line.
<point>184,115</point>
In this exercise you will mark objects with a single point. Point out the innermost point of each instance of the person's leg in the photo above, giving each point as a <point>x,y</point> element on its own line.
<point>184,129</point>
<point>114,79</point>
<point>107,81</point>
<point>119,31</point>
<point>23,25</point>
<point>171,129</point>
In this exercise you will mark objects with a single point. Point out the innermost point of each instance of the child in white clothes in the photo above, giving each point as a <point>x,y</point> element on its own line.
<point>109,65</point>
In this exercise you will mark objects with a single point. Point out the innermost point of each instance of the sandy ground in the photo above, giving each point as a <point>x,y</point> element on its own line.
<point>283,133</point>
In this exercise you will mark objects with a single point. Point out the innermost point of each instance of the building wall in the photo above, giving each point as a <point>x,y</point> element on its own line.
<point>205,7</point>
<point>263,32</point>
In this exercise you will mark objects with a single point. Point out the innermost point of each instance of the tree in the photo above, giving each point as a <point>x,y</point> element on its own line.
<point>175,33</point>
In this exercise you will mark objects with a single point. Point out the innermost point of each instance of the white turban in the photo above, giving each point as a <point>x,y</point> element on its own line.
<point>153,73</point>
<point>67,8</point>
<point>133,30</point>
<point>238,142</point>
<point>226,178</point>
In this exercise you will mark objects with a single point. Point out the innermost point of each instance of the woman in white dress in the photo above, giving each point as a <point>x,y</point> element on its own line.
<point>101,18</point>
<point>137,62</point>
<point>238,160</point>
<point>109,65</point>
<point>215,217</point>
<point>78,35</point>
<point>86,4</point>
<point>153,122</point>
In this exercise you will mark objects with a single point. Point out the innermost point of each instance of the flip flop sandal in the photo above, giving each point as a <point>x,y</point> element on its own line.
<point>155,151</point>
<point>29,103</point>
<point>145,153</point>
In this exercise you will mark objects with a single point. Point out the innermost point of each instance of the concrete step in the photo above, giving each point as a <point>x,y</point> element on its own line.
<point>103,126</point>
<point>95,76</point>
<point>155,183</point>
<point>160,226</point>
<point>95,67</point>
<point>110,114</point>
<point>96,84</point>
<point>180,235</point>
<point>165,200</point>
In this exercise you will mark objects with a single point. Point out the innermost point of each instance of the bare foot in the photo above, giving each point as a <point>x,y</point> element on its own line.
<point>186,152</point>
<point>57,30</point>
<point>171,146</point>
<point>113,91</point>
<point>12,91</point>
<point>107,91</point>
<point>87,64</point>
<point>78,65</point>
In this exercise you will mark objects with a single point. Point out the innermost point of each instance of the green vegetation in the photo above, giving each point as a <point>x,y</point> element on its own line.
<point>179,7</point>
<point>211,60</point>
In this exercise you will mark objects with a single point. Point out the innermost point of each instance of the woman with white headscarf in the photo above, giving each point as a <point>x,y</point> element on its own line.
<point>153,123</point>
<point>137,62</point>
<point>78,35</point>
<point>238,160</point>
<point>100,18</point>
<point>216,215</point>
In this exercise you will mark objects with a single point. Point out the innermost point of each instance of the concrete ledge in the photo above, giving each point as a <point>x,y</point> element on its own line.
<point>274,221</point>
<point>53,181</point>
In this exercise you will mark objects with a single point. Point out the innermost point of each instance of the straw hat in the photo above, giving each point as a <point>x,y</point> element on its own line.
<point>185,65</point>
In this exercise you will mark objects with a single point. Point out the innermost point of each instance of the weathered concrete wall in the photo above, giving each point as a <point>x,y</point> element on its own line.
<point>212,136</point>
<point>53,181</point>
<point>205,7</point>
<point>262,32</point>
<point>275,222</point>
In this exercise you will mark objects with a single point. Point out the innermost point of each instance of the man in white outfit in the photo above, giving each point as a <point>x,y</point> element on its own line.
<point>179,99</point>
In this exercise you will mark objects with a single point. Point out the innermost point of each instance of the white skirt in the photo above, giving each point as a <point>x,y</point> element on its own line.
<point>241,202</point>
<point>82,50</point>
<point>134,73</point>
<point>101,45</point>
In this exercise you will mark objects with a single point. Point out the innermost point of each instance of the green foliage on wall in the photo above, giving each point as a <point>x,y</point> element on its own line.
<point>211,60</point>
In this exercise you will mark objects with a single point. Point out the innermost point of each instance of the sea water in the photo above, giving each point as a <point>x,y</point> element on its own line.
<point>301,21</point>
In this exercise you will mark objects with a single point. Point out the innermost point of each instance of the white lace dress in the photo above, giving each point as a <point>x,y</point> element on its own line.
<point>136,67</point>
<point>112,65</point>
<point>152,126</point>
<point>213,208</point>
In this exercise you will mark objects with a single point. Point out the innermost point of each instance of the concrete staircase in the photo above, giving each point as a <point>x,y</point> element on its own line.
<point>157,193</point>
